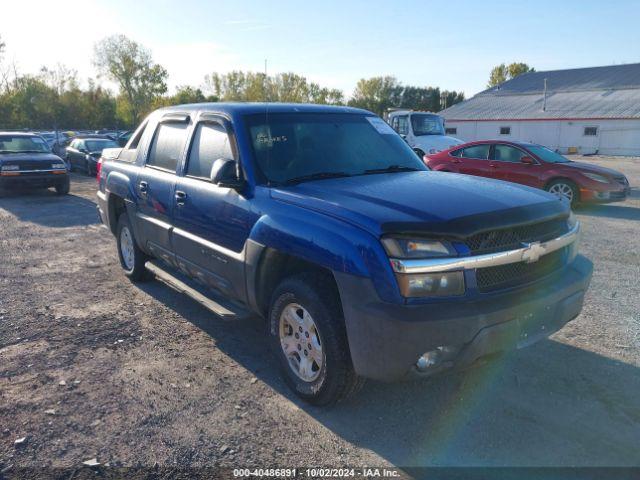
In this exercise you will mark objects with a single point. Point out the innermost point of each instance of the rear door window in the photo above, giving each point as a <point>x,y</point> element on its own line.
<point>210,142</point>
<point>167,146</point>
<point>477,152</point>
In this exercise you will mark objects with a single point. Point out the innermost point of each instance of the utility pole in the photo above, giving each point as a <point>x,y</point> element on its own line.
<point>544,100</point>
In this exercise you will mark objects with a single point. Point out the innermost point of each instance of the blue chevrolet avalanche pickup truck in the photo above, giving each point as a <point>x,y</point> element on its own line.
<point>323,221</point>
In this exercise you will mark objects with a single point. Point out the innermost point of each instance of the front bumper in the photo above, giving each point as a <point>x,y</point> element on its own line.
<point>387,339</point>
<point>604,196</point>
<point>34,180</point>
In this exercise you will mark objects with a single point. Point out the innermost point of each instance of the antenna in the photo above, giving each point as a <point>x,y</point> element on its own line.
<point>266,82</point>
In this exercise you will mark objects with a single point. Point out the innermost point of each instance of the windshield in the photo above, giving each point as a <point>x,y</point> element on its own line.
<point>305,146</point>
<point>426,124</point>
<point>21,143</point>
<point>547,155</point>
<point>99,145</point>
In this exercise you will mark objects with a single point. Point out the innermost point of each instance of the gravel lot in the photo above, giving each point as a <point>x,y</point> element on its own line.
<point>94,366</point>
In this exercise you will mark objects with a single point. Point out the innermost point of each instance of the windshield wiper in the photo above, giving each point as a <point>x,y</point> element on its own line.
<point>392,169</point>
<point>316,176</point>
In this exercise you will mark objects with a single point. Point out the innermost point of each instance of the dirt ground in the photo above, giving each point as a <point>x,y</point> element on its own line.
<point>93,366</point>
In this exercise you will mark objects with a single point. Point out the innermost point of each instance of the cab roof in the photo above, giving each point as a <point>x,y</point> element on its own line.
<point>257,108</point>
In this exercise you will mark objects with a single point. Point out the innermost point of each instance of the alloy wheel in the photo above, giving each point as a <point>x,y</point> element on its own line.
<point>562,190</point>
<point>300,342</point>
<point>126,248</point>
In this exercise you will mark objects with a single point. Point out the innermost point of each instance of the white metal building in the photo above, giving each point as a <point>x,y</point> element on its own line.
<point>585,110</point>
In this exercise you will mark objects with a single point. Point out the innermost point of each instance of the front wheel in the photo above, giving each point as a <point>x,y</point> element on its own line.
<point>309,340</point>
<point>132,259</point>
<point>63,188</point>
<point>564,189</point>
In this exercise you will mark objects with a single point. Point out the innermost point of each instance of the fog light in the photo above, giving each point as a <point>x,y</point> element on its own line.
<point>441,356</point>
<point>428,360</point>
<point>602,195</point>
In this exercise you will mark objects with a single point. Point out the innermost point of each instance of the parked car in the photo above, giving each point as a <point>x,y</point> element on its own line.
<point>323,221</point>
<point>27,161</point>
<point>124,137</point>
<point>56,141</point>
<point>536,166</point>
<point>84,151</point>
<point>423,131</point>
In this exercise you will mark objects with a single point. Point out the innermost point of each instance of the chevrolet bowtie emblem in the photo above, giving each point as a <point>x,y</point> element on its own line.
<point>533,251</point>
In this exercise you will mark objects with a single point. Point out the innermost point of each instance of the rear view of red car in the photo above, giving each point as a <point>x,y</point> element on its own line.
<point>536,166</point>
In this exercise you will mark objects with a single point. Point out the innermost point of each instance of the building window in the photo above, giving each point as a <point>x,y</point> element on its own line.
<point>590,131</point>
<point>505,130</point>
<point>451,131</point>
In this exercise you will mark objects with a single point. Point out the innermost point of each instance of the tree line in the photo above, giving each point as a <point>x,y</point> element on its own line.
<point>54,97</point>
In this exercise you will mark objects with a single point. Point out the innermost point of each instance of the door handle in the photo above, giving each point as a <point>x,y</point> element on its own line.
<point>143,187</point>
<point>493,165</point>
<point>455,161</point>
<point>180,197</point>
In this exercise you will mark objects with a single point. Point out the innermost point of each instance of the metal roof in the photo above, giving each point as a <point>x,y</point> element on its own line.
<point>589,93</point>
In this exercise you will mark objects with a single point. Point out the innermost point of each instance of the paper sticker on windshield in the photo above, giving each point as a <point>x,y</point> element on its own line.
<point>380,125</point>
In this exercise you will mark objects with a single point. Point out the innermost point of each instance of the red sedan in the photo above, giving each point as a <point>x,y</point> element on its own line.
<point>536,166</point>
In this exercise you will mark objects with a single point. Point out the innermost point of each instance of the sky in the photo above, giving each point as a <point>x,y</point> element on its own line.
<point>448,44</point>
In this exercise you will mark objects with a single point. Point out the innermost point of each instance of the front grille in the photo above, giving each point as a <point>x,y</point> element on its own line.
<point>30,164</point>
<point>512,238</point>
<point>505,276</point>
<point>617,195</point>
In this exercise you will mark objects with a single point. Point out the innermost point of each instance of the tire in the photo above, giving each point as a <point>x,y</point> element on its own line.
<point>312,295</point>
<point>63,188</point>
<point>132,259</point>
<point>564,188</point>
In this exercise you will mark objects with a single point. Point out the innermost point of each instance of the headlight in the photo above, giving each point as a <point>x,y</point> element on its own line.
<point>58,165</point>
<point>417,248</point>
<point>443,284</point>
<point>596,177</point>
<point>413,285</point>
<point>10,168</point>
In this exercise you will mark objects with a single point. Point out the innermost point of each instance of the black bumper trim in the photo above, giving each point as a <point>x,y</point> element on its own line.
<point>386,339</point>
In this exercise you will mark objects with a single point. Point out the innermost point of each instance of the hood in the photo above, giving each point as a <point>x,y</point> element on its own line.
<point>438,142</point>
<point>437,203</point>
<point>16,158</point>
<point>588,167</point>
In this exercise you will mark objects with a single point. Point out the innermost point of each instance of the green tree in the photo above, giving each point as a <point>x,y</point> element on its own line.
<point>498,75</point>
<point>376,94</point>
<point>501,73</point>
<point>257,87</point>
<point>515,69</point>
<point>129,64</point>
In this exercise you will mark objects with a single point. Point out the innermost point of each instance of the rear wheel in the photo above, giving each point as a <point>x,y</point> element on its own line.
<point>132,259</point>
<point>564,189</point>
<point>309,340</point>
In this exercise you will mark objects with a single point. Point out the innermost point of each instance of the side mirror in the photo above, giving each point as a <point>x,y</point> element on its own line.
<point>224,174</point>
<point>528,160</point>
